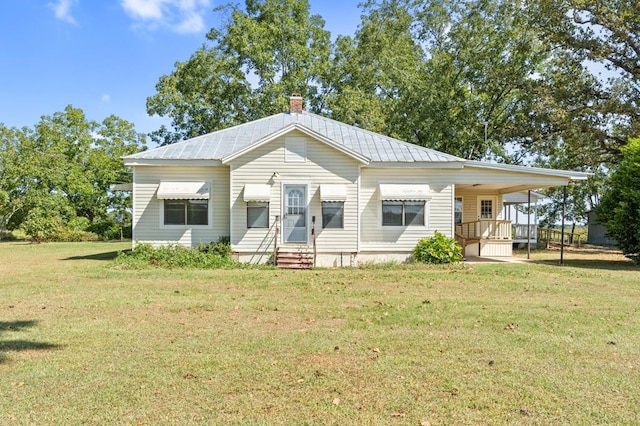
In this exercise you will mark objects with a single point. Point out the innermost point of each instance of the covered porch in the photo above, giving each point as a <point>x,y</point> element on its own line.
<point>484,211</point>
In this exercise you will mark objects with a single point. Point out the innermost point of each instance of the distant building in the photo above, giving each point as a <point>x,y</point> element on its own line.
<point>597,234</point>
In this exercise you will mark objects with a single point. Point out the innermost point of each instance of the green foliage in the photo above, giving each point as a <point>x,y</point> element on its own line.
<point>222,247</point>
<point>58,174</point>
<point>279,42</point>
<point>619,209</point>
<point>210,256</point>
<point>437,249</point>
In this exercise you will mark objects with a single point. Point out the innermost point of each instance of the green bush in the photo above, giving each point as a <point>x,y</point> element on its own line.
<point>437,249</point>
<point>108,227</point>
<point>66,235</point>
<point>175,256</point>
<point>222,247</point>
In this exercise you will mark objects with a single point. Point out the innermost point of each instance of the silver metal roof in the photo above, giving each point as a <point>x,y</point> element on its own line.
<point>226,142</point>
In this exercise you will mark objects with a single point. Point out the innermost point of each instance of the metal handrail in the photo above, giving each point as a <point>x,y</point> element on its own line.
<point>313,238</point>
<point>276,232</point>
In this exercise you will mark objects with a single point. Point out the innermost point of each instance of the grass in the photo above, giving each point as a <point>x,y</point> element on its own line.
<point>82,342</point>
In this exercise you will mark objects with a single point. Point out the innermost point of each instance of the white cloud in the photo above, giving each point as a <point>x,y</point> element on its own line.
<point>182,16</point>
<point>192,23</point>
<point>106,98</point>
<point>62,10</point>
<point>144,9</point>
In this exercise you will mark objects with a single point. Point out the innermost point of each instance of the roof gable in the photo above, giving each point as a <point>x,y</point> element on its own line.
<point>292,128</point>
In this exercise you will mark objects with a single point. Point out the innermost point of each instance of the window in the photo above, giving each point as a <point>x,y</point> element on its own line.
<point>257,214</point>
<point>295,202</point>
<point>457,210</point>
<point>186,212</point>
<point>403,213</point>
<point>486,209</point>
<point>332,214</point>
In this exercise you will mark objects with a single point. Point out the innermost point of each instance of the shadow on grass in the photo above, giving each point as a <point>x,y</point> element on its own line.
<point>20,344</point>
<point>109,255</point>
<point>612,265</point>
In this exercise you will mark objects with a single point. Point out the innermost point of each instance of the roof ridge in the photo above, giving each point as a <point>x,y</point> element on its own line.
<point>372,133</point>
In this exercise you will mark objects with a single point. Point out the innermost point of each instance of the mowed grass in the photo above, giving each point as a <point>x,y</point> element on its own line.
<point>84,343</point>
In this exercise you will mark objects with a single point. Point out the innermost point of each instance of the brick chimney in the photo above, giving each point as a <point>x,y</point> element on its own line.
<point>295,103</point>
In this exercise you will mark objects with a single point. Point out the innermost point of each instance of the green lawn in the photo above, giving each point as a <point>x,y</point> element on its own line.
<point>84,343</point>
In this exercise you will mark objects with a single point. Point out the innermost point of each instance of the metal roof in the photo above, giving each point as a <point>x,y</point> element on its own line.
<point>227,142</point>
<point>569,174</point>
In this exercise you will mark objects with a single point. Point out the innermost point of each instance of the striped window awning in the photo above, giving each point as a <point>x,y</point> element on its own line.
<point>183,191</point>
<point>257,192</point>
<point>404,192</point>
<point>333,192</point>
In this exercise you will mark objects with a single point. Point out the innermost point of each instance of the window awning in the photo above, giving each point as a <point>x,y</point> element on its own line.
<point>333,192</point>
<point>183,191</point>
<point>406,192</point>
<point>257,192</point>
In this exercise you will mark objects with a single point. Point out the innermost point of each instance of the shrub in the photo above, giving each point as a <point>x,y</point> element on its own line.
<point>108,228</point>
<point>222,247</point>
<point>175,256</point>
<point>437,249</point>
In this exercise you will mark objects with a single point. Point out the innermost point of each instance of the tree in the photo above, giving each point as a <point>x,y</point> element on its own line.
<point>63,168</point>
<point>448,75</point>
<point>620,206</point>
<point>9,175</point>
<point>268,51</point>
<point>372,72</point>
<point>607,34</point>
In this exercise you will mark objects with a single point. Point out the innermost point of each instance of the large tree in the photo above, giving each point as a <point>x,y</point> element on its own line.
<point>620,207</point>
<point>450,75</point>
<point>268,50</point>
<point>63,168</point>
<point>601,112</point>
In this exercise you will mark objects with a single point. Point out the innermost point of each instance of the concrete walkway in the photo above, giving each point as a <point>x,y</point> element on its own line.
<point>476,259</point>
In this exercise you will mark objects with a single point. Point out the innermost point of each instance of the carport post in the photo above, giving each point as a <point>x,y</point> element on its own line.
<point>564,203</point>
<point>529,224</point>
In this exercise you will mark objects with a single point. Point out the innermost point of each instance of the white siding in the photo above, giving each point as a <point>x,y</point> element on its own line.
<point>323,165</point>
<point>146,217</point>
<point>439,211</point>
<point>470,199</point>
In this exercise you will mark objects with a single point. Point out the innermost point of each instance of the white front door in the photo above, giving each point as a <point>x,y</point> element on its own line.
<point>487,214</point>
<point>294,224</point>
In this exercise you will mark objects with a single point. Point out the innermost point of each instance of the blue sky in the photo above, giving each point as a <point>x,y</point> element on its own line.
<point>106,56</point>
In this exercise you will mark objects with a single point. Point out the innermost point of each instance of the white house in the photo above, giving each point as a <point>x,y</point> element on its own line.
<point>297,183</point>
